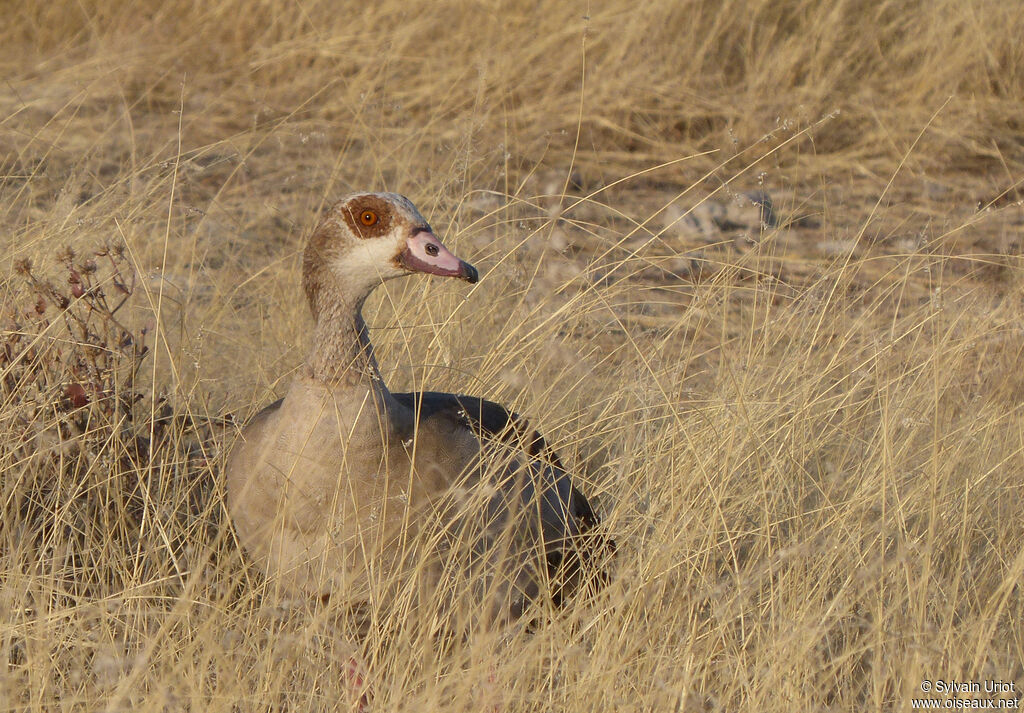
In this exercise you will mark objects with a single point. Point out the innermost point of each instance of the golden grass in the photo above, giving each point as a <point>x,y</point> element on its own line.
<point>807,437</point>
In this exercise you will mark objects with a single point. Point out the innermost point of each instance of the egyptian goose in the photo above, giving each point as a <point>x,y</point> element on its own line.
<point>331,488</point>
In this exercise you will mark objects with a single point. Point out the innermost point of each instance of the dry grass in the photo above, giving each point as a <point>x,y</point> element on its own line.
<point>807,436</point>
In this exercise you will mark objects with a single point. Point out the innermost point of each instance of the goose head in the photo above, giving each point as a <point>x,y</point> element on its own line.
<point>367,238</point>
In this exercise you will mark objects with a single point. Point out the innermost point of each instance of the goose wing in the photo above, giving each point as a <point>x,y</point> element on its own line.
<point>576,549</point>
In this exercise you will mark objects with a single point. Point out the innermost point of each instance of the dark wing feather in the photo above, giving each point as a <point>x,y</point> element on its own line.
<point>576,551</point>
<point>481,415</point>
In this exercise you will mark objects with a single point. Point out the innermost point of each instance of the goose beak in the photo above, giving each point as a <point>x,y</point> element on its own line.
<point>423,252</point>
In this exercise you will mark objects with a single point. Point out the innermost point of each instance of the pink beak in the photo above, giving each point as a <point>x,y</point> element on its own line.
<point>425,253</point>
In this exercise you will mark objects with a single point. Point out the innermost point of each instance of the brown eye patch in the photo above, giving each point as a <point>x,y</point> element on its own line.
<point>367,216</point>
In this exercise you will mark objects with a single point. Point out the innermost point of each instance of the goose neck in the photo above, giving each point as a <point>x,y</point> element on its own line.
<point>342,353</point>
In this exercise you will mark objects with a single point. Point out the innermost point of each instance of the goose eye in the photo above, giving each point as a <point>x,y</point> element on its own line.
<point>368,218</point>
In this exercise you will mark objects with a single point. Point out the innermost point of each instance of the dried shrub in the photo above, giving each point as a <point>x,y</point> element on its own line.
<point>108,485</point>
